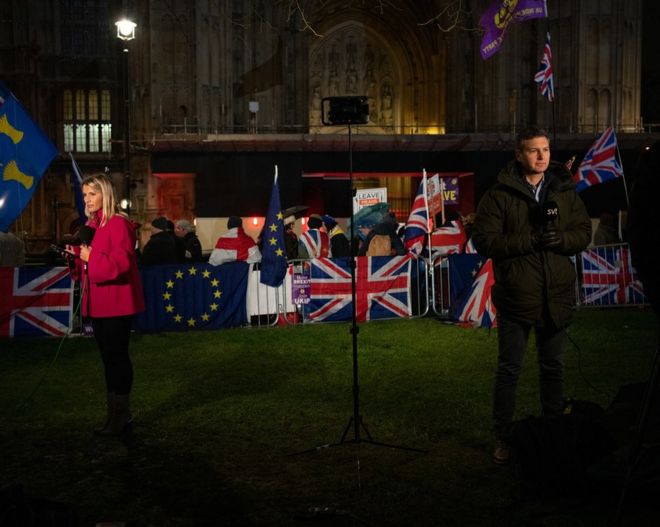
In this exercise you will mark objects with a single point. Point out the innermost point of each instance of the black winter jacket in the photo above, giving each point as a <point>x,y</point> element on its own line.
<point>531,283</point>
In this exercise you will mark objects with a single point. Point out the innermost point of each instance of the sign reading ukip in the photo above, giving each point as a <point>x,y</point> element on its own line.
<point>25,153</point>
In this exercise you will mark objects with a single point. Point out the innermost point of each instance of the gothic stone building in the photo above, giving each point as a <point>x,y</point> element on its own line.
<point>191,116</point>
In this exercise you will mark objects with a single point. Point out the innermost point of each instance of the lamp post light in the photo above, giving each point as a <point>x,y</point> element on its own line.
<point>125,33</point>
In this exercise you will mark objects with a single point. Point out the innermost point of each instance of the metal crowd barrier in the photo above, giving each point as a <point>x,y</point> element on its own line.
<point>605,278</point>
<point>269,306</point>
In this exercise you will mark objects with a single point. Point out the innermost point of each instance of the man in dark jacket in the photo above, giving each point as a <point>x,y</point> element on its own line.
<point>188,246</point>
<point>161,247</point>
<point>530,223</point>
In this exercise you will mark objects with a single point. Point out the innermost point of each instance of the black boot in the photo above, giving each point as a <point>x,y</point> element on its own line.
<point>110,408</point>
<point>121,420</point>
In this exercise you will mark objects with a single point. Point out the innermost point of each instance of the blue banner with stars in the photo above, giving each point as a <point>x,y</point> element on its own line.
<point>190,297</point>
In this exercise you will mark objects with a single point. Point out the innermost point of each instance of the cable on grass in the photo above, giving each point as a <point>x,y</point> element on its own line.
<point>27,399</point>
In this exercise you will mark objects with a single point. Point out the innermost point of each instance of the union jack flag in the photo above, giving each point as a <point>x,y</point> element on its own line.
<point>382,288</point>
<point>544,77</point>
<point>469,247</point>
<point>600,163</point>
<point>36,301</point>
<point>608,277</point>
<point>449,239</point>
<point>316,243</point>
<point>474,306</point>
<point>417,226</point>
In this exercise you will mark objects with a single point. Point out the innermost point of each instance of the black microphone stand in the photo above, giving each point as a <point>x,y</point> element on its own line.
<point>355,421</point>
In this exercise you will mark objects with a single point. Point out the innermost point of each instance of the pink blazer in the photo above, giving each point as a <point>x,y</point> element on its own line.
<point>112,287</point>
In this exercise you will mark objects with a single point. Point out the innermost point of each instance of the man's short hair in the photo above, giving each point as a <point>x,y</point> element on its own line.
<point>234,221</point>
<point>184,225</point>
<point>530,133</point>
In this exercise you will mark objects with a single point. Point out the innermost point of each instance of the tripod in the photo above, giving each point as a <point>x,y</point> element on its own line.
<point>349,111</point>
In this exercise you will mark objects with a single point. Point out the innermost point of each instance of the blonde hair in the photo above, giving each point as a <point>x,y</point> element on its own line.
<point>101,183</point>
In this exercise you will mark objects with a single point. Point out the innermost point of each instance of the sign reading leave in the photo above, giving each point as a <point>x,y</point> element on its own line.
<point>369,196</point>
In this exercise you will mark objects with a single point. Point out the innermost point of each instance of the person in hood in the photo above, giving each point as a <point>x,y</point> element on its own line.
<point>111,294</point>
<point>383,239</point>
<point>530,223</point>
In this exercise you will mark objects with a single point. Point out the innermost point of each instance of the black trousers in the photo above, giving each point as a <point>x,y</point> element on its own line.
<point>112,335</point>
<point>512,341</point>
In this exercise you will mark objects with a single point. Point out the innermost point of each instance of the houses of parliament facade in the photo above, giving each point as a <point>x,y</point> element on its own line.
<point>191,115</point>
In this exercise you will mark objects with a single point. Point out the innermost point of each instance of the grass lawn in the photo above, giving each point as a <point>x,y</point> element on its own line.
<point>218,413</point>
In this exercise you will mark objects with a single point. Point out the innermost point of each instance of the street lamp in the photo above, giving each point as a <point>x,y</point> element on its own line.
<point>125,33</point>
<point>125,29</point>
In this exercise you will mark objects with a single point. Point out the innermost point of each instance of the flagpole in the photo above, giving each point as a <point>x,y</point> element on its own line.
<point>428,215</point>
<point>442,200</point>
<point>623,175</point>
<point>554,125</point>
<point>554,95</point>
<point>275,180</point>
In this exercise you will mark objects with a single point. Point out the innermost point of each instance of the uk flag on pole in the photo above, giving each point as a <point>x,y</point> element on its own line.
<point>600,163</point>
<point>544,77</point>
<point>382,288</point>
<point>608,277</point>
<point>36,301</point>
<point>449,239</point>
<point>417,226</point>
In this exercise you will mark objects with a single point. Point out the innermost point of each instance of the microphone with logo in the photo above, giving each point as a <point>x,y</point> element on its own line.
<point>550,236</point>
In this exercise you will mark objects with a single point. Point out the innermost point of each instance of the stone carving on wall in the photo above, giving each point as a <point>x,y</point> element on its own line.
<point>351,62</point>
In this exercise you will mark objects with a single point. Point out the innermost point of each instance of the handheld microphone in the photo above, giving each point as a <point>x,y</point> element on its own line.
<point>550,237</point>
<point>86,234</point>
<point>550,213</point>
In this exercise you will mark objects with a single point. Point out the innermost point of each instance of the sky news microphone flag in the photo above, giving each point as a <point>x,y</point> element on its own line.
<point>417,226</point>
<point>544,77</point>
<point>600,163</point>
<point>273,255</point>
<point>496,19</point>
<point>25,153</point>
<point>77,190</point>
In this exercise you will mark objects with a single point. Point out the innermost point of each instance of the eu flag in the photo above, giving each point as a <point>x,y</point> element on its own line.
<point>273,255</point>
<point>193,296</point>
<point>25,153</point>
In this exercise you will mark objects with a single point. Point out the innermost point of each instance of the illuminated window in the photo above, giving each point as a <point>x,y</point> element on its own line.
<point>87,126</point>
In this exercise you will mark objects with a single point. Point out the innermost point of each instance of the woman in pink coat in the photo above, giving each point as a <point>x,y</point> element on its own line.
<point>111,293</point>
